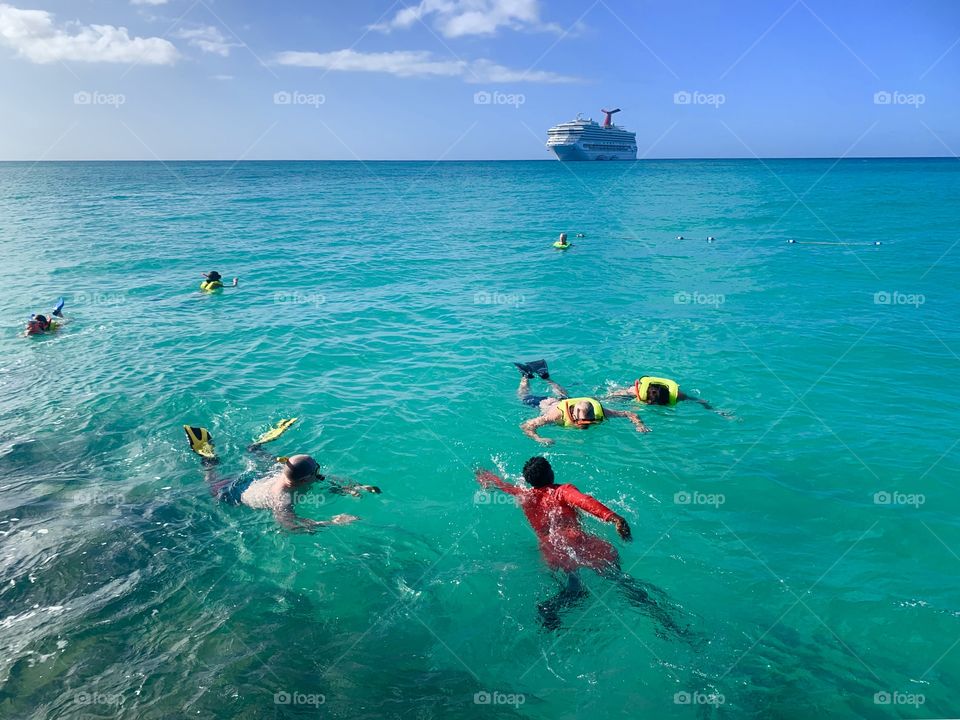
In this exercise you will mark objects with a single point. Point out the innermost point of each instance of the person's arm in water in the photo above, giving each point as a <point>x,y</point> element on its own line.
<point>706,406</point>
<point>530,427</point>
<point>627,392</point>
<point>289,520</point>
<point>488,479</point>
<point>342,486</point>
<point>572,496</point>
<point>631,416</point>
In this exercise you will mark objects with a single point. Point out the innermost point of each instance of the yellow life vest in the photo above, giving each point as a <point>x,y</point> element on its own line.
<point>210,285</point>
<point>640,388</point>
<point>566,412</point>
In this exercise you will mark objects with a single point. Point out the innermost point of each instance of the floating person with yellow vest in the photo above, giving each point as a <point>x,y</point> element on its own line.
<point>562,243</point>
<point>581,412</point>
<point>277,486</point>
<point>651,390</point>
<point>214,282</point>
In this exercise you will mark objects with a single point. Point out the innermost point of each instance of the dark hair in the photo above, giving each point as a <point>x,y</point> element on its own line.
<point>661,394</point>
<point>537,472</point>
<point>214,275</point>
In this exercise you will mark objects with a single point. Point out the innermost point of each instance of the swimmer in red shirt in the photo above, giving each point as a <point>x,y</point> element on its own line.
<point>551,510</point>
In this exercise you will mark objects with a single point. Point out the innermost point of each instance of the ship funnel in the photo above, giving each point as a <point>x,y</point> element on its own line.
<point>607,122</point>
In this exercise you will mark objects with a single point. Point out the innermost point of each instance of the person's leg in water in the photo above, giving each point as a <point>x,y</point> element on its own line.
<point>650,599</point>
<point>572,593</point>
<point>560,392</point>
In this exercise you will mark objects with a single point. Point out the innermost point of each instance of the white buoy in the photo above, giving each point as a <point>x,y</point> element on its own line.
<point>679,237</point>
<point>711,238</point>
<point>876,242</point>
<point>792,242</point>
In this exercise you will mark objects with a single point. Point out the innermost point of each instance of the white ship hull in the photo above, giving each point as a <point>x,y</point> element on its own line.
<point>573,152</point>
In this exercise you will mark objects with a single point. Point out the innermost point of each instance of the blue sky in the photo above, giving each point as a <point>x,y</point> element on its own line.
<point>375,79</point>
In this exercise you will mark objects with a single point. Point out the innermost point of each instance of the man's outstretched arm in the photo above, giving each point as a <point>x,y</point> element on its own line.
<point>572,496</point>
<point>488,479</point>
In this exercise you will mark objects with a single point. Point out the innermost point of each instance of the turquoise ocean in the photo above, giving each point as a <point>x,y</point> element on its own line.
<point>811,543</point>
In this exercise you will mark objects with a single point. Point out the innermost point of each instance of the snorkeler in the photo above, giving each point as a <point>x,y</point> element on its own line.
<point>214,281</point>
<point>41,324</point>
<point>551,510</point>
<point>278,488</point>
<point>651,390</point>
<point>562,410</point>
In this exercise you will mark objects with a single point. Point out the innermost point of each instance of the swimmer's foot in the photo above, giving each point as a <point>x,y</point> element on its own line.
<point>525,370</point>
<point>540,368</point>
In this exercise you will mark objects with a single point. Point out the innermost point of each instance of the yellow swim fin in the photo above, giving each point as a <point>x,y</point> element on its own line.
<point>201,442</point>
<point>276,431</point>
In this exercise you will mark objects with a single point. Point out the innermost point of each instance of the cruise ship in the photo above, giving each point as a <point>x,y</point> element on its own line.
<point>584,139</point>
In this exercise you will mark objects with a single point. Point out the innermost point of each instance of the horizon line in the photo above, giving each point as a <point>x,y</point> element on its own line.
<point>447,160</point>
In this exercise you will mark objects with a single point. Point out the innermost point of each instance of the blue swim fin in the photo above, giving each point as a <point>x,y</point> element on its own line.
<point>58,310</point>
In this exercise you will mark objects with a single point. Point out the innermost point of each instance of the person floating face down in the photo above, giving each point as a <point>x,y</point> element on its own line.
<point>651,390</point>
<point>276,487</point>
<point>561,409</point>
<point>553,512</point>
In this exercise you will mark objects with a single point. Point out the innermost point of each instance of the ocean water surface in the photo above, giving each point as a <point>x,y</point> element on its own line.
<point>811,543</point>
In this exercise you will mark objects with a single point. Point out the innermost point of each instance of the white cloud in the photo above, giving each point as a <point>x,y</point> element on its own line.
<point>456,18</point>
<point>34,36</point>
<point>207,38</point>
<point>417,63</point>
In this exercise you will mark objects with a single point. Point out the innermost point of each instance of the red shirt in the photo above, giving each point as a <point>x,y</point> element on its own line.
<point>552,513</point>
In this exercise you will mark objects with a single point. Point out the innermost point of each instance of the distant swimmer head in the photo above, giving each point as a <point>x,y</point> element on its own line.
<point>537,472</point>
<point>679,237</point>
<point>213,276</point>
<point>711,238</point>
<point>301,469</point>
<point>658,395</point>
